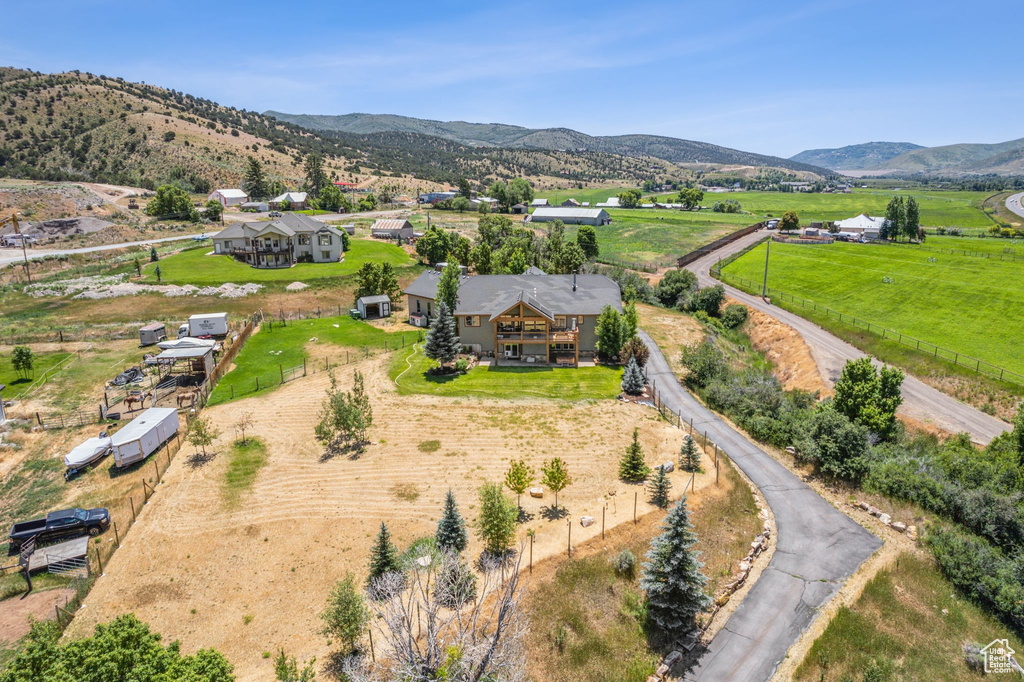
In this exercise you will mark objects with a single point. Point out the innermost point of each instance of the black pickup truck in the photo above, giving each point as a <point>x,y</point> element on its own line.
<point>67,523</point>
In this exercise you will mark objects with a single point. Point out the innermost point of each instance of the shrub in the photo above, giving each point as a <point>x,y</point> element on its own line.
<point>625,563</point>
<point>838,446</point>
<point>704,361</point>
<point>461,365</point>
<point>635,349</point>
<point>734,315</point>
<point>675,286</point>
<point>708,299</point>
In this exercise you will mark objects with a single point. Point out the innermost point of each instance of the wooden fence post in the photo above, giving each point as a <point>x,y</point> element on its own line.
<point>373,656</point>
<point>531,552</point>
<point>603,510</point>
<point>636,495</point>
<point>568,548</point>
<point>98,559</point>
<point>281,367</point>
<point>156,468</point>
<point>131,501</point>
<point>257,383</point>
<point>116,535</point>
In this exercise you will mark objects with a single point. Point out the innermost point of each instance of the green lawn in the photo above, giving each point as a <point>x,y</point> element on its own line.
<point>275,347</point>
<point>409,372</point>
<point>938,208</point>
<point>966,304</point>
<point>977,245</point>
<point>16,383</point>
<point>244,464</point>
<point>908,624</point>
<point>201,267</point>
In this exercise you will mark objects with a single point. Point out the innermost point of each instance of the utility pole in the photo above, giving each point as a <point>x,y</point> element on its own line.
<point>767,252</point>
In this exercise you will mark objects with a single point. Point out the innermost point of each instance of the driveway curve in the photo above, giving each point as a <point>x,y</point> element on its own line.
<point>818,548</point>
<point>920,401</point>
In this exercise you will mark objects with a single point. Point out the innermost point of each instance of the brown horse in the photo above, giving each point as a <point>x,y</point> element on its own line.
<point>187,397</point>
<point>139,398</point>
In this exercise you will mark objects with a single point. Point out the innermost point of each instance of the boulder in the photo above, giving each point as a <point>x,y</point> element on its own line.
<point>744,566</point>
<point>673,657</point>
<point>722,599</point>
<point>536,492</point>
<point>885,518</point>
<point>864,505</point>
<point>662,670</point>
<point>586,521</point>
<point>899,526</point>
<point>668,467</point>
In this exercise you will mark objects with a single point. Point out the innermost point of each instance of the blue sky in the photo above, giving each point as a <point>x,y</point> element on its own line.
<point>769,77</point>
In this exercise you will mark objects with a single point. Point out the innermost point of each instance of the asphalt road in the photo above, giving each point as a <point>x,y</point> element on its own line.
<point>1015,204</point>
<point>920,401</point>
<point>13,255</point>
<point>818,548</point>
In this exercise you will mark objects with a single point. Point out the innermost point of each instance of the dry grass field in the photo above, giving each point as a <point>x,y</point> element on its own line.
<point>249,573</point>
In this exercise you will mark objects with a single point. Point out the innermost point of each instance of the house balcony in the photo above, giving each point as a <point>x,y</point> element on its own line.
<point>551,336</point>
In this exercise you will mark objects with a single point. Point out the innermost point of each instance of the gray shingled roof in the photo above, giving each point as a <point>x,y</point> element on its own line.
<point>551,294</point>
<point>289,224</point>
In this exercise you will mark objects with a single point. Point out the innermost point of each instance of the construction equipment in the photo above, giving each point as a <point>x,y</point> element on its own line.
<point>14,219</point>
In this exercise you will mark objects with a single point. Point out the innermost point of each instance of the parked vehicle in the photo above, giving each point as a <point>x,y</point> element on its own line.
<point>152,334</point>
<point>144,435</point>
<point>209,324</point>
<point>67,523</point>
<point>274,214</point>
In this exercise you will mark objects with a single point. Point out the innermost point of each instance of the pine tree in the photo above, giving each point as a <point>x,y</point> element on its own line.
<point>632,467</point>
<point>383,556</point>
<point>632,378</point>
<point>451,529</point>
<point>660,488</point>
<point>442,340</point>
<point>254,183</point>
<point>689,456</point>
<point>672,576</point>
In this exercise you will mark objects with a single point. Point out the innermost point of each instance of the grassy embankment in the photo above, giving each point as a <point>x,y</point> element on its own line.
<point>909,624</point>
<point>409,371</point>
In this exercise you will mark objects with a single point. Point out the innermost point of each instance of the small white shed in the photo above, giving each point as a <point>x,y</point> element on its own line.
<point>144,435</point>
<point>374,306</point>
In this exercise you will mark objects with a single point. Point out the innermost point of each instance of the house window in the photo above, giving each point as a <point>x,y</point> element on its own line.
<point>326,255</point>
<point>417,306</point>
<point>324,239</point>
<point>429,312</point>
<point>227,244</point>
<point>472,321</point>
<point>560,322</point>
<point>303,240</point>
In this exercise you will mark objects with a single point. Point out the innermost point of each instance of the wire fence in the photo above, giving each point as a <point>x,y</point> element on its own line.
<point>957,358</point>
<point>642,266</point>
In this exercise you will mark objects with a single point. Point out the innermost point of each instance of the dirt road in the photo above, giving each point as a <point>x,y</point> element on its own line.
<point>818,548</point>
<point>920,401</point>
<point>8,256</point>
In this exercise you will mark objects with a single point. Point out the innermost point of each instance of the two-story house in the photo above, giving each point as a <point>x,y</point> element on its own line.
<point>292,238</point>
<point>533,317</point>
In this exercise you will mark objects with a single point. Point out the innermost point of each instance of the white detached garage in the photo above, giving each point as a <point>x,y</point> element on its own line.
<point>144,435</point>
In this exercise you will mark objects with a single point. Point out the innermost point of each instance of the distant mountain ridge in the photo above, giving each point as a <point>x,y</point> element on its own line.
<point>673,150</point>
<point>855,156</point>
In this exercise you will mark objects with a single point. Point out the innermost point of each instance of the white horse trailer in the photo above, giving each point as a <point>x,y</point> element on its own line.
<point>144,435</point>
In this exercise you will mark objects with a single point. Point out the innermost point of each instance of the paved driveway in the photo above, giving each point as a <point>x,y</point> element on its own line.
<point>1015,204</point>
<point>920,401</point>
<point>818,548</point>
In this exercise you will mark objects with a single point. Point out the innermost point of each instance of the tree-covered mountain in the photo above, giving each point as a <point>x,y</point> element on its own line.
<point>673,150</point>
<point>854,156</point>
<point>79,126</point>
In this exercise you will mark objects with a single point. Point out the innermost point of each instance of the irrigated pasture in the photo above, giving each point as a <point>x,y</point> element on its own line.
<point>967,304</point>
<point>247,568</point>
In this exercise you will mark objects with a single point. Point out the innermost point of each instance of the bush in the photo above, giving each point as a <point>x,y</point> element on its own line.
<point>635,349</point>
<point>708,299</point>
<point>461,365</point>
<point>838,446</point>
<point>676,286</point>
<point>704,361</point>
<point>734,315</point>
<point>625,564</point>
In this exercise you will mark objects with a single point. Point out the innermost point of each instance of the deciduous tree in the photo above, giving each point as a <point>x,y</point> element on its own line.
<point>790,222</point>
<point>609,333</point>
<point>214,211</point>
<point>201,433</point>
<point>518,478</point>
<point>346,616</point>
<point>635,349</point>
<point>496,524</point>
<point>555,476</point>
<point>448,284</point>
<point>869,397</point>
<point>586,237</point>
<point>23,361</point>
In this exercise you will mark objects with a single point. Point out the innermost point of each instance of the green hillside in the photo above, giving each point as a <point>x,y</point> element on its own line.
<point>1005,158</point>
<point>854,156</point>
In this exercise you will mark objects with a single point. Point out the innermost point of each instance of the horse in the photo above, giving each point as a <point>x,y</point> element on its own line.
<point>133,398</point>
<point>187,397</point>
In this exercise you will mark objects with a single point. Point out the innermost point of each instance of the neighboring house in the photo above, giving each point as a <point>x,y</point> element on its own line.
<point>489,202</point>
<point>536,203</point>
<point>570,203</point>
<point>229,197</point>
<point>280,243</point>
<point>520,209</point>
<point>863,225</point>
<point>258,206</point>
<point>391,229</point>
<point>370,307</point>
<point>530,317</point>
<point>611,202</point>
<point>434,197</point>
<point>572,216</point>
<point>297,201</point>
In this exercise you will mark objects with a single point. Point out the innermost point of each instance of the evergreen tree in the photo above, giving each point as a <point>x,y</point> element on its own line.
<point>632,466</point>
<point>630,322</point>
<point>609,333</point>
<point>254,183</point>
<point>383,556</point>
<point>661,486</point>
<point>316,176</point>
<point>672,576</point>
<point>451,529</point>
<point>442,339</point>
<point>632,378</point>
<point>689,456</point>
<point>153,257</point>
<point>448,284</point>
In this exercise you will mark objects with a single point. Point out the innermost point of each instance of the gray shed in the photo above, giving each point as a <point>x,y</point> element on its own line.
<point>374,306</point>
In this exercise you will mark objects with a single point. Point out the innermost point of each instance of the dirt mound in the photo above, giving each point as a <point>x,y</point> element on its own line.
<point>789,353</point>
<point>297,286</point>
<point>62,227</point>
